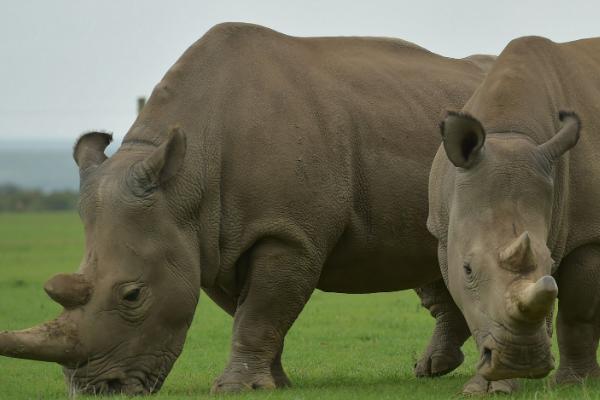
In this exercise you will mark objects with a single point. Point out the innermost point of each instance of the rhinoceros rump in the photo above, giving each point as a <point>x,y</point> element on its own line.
<point>512,198</point>
<point>262,167</point>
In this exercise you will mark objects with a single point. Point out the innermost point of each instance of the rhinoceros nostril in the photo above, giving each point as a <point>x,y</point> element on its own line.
<point>486,356</point>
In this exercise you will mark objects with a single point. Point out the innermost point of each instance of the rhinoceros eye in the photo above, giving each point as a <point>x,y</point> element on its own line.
<point>468,269</point>
<point>132,295</point>
<point>134,300</point>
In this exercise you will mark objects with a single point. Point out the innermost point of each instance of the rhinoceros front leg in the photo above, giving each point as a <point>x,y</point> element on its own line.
<point>578,321</point>
<point>279,375</point>
<point>229,305</point>
<point>443,353</point>
<point>280,280</point>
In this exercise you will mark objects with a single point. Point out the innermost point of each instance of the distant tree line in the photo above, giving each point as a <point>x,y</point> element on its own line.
<point>16,199</point>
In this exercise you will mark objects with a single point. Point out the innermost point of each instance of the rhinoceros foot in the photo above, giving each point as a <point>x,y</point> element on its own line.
<point>438,362</point>
<point>244,380</point>
<point>480,386</point>
<point>568,376</point>
<point>279,376</point>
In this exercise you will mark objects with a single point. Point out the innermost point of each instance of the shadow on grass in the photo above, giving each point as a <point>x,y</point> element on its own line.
<point>386,386</point>
<point>329,383</point>
<point>335,382</point>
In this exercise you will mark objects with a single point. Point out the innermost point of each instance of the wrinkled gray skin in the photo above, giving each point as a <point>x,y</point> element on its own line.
<point>512,199</point>
<point>294,164</point>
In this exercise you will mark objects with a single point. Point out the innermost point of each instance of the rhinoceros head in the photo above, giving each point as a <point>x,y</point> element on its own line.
<point>498,209</point>
<point>128,308</point>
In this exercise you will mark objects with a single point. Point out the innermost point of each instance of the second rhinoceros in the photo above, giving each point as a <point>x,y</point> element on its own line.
<point>262,167</point>
<point>514,204</point>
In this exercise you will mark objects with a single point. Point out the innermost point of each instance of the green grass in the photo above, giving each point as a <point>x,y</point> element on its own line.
<point>341,347</point>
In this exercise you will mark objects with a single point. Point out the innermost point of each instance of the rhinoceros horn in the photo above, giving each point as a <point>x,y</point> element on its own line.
<point>530,301</point>
<point>69,290</point>
<point>54,341</point>
<point>519,254</point>
<point>535,300</point>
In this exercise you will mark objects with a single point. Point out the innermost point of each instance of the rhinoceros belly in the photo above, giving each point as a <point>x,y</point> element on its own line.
<point>357,266</point>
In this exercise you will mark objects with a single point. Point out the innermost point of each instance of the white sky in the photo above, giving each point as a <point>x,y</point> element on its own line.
<point>71,66</point>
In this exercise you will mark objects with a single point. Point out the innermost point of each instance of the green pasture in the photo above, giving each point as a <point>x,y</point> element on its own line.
<point>342,346</point>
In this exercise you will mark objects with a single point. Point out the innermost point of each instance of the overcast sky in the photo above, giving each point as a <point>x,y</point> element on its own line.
<point>71,66</point>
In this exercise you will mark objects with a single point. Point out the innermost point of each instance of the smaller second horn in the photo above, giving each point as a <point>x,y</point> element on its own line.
<point>69,290</point>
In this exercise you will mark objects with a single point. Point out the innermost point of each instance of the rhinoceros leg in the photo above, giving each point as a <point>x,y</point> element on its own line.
<point>578,322</point>
<point>229,305</point>
<point>443,353</point>
<point>280,280</point>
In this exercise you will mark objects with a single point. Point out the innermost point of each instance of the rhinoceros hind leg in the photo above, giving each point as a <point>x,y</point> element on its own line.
<point>478,385</point>
<point>280,279</point>
<point>578,322</point>
<point>443,353</point>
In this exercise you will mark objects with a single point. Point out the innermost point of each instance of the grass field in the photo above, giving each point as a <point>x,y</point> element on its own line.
<point>342,346</point>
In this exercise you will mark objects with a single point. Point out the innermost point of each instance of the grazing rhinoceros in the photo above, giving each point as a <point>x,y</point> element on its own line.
<point>262,167</point>
<point>510,203</point>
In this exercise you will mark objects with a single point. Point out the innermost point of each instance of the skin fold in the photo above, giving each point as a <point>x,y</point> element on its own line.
<point>511,200</point>
<point>262,167</point>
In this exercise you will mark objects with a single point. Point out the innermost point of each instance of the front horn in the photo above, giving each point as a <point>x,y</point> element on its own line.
<point>53,341</point>
<point>533,301</point>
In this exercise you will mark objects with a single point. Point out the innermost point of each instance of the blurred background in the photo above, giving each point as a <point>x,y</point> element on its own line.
<point>69,66</point>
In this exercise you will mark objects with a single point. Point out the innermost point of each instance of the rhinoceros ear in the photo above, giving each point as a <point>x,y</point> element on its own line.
<point>564,139</point>
<point>463,137</point>
<point>163,163</point>
<point>89,149</point>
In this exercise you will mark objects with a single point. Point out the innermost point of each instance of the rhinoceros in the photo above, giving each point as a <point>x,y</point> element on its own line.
<point>263,166</point>
<point>514,206</point>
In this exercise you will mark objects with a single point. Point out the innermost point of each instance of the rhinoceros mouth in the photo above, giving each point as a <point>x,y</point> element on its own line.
<point>507,359</point>
<point>110,387</point>
<point>115,373</point>
<point>130,386</point>
<point>116,380</point>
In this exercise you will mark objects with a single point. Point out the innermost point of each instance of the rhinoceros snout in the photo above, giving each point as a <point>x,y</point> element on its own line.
<point>109,387</point>
<point>515,360</point>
